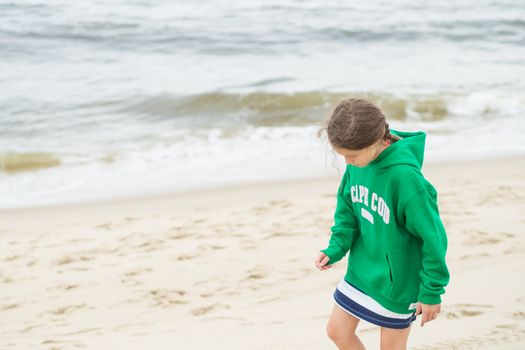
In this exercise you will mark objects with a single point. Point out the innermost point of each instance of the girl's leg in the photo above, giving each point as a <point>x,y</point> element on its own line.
<point>394,339</point>
<point>341,329</point>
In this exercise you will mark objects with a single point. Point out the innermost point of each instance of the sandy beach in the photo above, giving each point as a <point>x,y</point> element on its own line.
<point>232,267</point>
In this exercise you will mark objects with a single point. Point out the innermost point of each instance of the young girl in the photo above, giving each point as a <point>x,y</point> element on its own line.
<point>388,219</point>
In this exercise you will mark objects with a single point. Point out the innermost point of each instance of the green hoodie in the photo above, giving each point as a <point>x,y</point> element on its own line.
<point>387,217</point>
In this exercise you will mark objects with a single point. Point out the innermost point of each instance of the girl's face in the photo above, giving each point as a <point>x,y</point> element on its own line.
<point>362,157</point>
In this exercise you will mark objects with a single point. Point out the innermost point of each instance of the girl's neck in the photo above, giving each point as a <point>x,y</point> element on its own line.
<point>383,144</point>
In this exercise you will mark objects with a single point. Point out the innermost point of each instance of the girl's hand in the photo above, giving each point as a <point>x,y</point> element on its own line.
<point>321,262</point>
<point>429,312</point>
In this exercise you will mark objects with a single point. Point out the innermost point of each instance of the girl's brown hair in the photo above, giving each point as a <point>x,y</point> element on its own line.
<point>356,123</point>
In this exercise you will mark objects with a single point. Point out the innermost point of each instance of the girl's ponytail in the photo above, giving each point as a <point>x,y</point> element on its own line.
<point>388,135</point>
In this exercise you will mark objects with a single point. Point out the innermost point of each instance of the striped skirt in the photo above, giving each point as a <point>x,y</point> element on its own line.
<point>357,303</point>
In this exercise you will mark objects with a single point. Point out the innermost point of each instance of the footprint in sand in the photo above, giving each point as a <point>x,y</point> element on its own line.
<point>465,310</point>
<point>129,277</point>
<point>93,330</point>
<point>66,259</point>
<point>499,195</point>
<point>150,245</point>
<point>63,287</point>
<point>31,263</point>
<point>12,257</point>
<point>137,271</point>
<point>177,233</point>
<point>281,203</point>
<point>268,300</point>
<point>275,204</point>
<point>6,279</point>
<point>247,244</point>
<point>478,237</point>
<point>167,297</point>
<point>515,249</point>
<point>278,233</point>
<point>474,256</point>
<point>200,220</point>
<point>66,310</point>
<point>207,247</point>
<point>203,310</point>
<point>30,328</point>
<point>184,257</point>
<point>106,226</point>
<point>112,225</point>
<point>519,315</point>
<point>9,306</point>
<point>79,240</point>
<point>256,273</point>
<point>260,210</point>
<point>498,337</point>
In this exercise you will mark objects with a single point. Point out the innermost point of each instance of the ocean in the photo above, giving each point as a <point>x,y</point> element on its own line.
<point>106,99</point>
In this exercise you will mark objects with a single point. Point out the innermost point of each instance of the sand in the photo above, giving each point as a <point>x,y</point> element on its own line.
<point>232,267</point>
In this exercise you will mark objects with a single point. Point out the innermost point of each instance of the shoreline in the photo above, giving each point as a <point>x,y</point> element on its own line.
<point>246,184</point>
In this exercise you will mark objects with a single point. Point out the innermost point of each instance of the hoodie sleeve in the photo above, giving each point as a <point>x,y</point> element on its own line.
<point>423,221</point>
<point>345,225</point>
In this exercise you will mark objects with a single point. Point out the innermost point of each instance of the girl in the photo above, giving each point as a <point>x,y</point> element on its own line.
<point>388,219</point>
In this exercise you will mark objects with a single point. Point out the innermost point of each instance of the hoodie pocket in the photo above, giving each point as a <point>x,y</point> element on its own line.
<point>388,277</point>
<point>390,273</point>
<point>371,266</point>
<point>404,272</point>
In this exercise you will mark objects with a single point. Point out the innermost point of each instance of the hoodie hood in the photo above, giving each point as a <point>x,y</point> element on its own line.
<point>410,150</point>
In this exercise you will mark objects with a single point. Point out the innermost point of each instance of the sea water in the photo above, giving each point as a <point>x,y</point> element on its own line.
<point>105,98</point>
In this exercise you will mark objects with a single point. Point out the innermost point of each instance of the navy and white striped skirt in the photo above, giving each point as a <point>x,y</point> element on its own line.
<point>360,305</point>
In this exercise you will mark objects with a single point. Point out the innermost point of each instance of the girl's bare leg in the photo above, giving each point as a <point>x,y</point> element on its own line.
<point>394,339</point>
<point>341,329</point>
